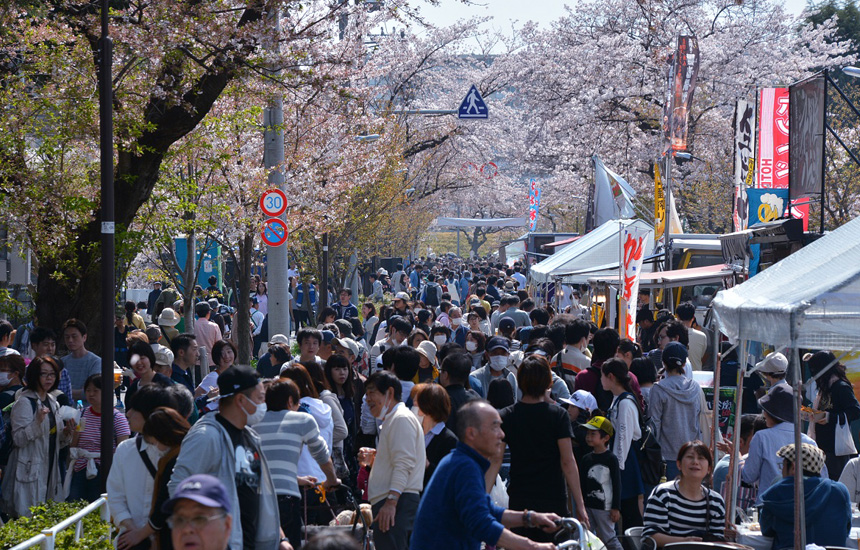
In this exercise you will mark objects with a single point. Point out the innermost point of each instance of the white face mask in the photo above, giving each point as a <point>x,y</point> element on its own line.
<point>498,362</point>
<point>4,379</point>
<point>455,321</point>
<point>471,346</point>
<point>259,413</point>
<point>417,412</point>
<point>383,411</point>
<point>440,340</point>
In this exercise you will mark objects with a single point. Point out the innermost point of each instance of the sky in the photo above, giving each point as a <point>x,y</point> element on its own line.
<point>505,11</point>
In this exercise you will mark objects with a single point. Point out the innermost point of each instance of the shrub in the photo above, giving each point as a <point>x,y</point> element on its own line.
<point>96,533</point>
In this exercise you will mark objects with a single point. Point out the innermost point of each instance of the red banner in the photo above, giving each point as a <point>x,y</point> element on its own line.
<point>772,162</point>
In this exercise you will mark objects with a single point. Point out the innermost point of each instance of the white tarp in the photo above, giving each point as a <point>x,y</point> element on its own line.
<point>482,222</point>
<point>601,247</point>
<point>817,288</point>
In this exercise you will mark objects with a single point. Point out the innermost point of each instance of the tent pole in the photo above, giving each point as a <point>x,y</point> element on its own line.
<point>731,505</point>
<point>799,503</point>
<point>716,409</point>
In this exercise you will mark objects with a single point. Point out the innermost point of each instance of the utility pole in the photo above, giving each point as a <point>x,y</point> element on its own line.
<point>108,243</point>
<point>277,257</point>
<point>324,282</point>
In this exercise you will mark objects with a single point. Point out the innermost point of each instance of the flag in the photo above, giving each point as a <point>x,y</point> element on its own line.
<point>534,204</point>
<point>613,196</point>
<point>685,69</point>
<point>659,205</point>
<point>632,256</point>
<point>772,160</point>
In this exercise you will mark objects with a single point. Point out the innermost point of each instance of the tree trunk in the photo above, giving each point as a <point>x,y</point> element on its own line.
<point>242,323</point>
<point>189,279</point>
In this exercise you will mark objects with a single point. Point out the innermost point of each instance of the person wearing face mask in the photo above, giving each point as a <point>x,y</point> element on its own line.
<point>498,360</point>
<point>397,474</point>
<point>476,342</point>
<point>440,335</point>
<point>225,446</point>
<point>459,328</point>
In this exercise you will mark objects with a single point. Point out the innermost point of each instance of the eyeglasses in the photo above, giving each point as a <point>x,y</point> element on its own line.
<point>197,522</point>
<point>48,374</point>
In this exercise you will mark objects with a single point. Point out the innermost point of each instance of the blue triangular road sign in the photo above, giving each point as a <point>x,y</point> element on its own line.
<point>473,105</point>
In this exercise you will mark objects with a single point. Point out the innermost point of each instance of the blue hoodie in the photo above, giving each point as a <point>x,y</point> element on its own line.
<point>828,512</point>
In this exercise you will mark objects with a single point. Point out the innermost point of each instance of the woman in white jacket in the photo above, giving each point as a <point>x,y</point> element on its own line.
<point>322,413</point>
<point>38,433</point>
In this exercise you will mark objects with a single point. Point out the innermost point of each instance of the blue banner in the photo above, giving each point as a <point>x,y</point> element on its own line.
<point>766,205</point>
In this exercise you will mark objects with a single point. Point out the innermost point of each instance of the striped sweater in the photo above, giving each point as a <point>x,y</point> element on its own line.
<point>283,433</point>
<point>670,513</point>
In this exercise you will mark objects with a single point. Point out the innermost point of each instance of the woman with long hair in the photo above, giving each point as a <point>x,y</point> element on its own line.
<point>345,383</point>
<point>538,434</point>
<point>32,475</point>
<point>311,403</point>
<point>836,398</point>
<point>142,360</point>
<point>624,415</point>
<point>262,296</point>
<point>684,510</point>
<point>167,428</point>
<point>368,313</point>
<point>223,356</point>
<point>340,431</point>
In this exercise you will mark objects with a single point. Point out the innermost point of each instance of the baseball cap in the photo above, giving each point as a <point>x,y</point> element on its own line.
<point>164,356</point>
<point>498,342</point>
<point>600,423</point>
<point>507,323</point>
<point>236,379</point>
<point>347,343</point>
<point>774,363</point>
<point>811,457</point>
<point>401,296</point>
<point>327,336</point>
<point>279,339</point>
<point>202,489</point>
<point>674,354</point>
<point>582,399</point>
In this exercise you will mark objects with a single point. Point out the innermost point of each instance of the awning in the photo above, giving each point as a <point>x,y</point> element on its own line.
<point>710,274</point>
<point>561,242</point>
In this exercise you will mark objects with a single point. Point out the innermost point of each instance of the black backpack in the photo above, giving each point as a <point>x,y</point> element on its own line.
<point>431,296</point>
<point>647,448</point>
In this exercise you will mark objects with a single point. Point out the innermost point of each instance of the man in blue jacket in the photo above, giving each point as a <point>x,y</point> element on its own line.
<point>828,506</point>
<point>456,512</point>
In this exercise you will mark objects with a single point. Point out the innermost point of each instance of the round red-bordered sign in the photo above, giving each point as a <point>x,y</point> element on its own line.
<point>274,232</point>
<point>273,202</point>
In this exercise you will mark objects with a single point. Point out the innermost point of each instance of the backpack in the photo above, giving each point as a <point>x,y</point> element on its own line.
<point>431,295</point>
<point>647,448</point>
<point>567,376</point>
<point>6,443</point>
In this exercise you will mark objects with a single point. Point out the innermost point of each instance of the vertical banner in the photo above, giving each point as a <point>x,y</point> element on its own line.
<point>807,137</point>
<point>632,255</point>
<point>772,159</point>
<point>659,204</point>
<point>685,69</point>
<point>744,161</point>
<point>534,203</point>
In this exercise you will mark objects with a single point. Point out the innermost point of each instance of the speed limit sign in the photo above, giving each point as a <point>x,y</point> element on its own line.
<point>273,202</point>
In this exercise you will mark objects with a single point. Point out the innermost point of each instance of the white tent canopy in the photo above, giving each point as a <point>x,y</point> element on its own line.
<point>599,248</point>
<point>811,297</point>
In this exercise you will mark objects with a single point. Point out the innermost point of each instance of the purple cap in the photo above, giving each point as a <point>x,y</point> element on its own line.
<point>202,489</point>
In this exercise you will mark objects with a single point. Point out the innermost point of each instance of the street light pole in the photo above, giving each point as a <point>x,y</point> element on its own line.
<point>107,240</point>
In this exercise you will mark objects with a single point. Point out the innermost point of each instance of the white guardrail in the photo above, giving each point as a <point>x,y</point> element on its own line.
<point>48,538</point>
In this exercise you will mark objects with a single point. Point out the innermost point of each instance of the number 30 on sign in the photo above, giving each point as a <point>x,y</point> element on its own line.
<point>273,202</point>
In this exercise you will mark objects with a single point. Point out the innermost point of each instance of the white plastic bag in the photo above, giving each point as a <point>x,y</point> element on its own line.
<point>499,493</point>
<point>844,439</point>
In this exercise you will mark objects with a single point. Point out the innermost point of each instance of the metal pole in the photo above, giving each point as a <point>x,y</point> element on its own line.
<point>715,340</point>
<point>324,282</point>
<point>107,244</point>
<point>799,503</point>
<point>823,153</point>
<point>277,261</point>
<point>731,505</point>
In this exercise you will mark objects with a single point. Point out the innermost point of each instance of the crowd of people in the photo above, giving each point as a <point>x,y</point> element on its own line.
<point>461,411</point>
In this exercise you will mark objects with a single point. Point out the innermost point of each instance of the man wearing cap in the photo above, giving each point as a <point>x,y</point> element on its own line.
<point>498,354</point>
<point>152,298</point>
<point>200,514</point>
<point>772,370</point>
<point>224,445</point>
<point>346,347</point>
<point>762,465</point>
<point>826,502</point>
<point>456,512</point>
<point>264,364</point>
<point>206,331</point>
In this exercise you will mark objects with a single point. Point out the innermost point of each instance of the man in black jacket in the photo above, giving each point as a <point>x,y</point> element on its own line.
<point>454,377</point>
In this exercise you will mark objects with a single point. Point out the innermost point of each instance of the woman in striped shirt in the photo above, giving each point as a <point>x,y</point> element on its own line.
<point>683,509</point>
